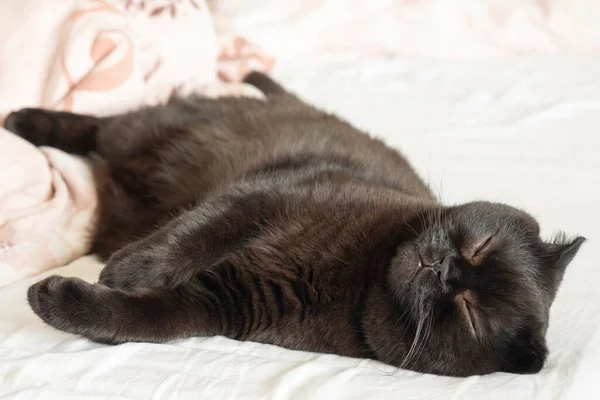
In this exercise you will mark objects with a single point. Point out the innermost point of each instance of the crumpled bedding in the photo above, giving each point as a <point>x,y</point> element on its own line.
<point>521,131</point>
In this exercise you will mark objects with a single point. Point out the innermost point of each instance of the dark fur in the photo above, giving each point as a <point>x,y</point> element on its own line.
<point>275,222</point>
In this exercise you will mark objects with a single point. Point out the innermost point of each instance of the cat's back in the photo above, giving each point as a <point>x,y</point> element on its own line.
<point>209,143</point>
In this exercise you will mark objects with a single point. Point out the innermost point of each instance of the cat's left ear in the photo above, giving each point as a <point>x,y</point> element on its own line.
<point>559,254</point>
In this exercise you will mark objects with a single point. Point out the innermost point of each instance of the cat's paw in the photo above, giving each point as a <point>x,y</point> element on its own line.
<point>32,124</point>
<point>129,277</point>
<point>111,277</point>
<point>67,304</point>
<point>133,267</point>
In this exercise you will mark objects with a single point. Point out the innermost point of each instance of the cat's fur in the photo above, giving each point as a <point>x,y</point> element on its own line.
<point>275,222</point>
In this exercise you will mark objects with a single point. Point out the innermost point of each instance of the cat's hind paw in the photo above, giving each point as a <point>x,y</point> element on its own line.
<point>67,304</point>
<point>32,124</point>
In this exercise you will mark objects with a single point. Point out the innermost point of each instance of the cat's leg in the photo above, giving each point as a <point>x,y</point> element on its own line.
<point>73,133</point>
<point>192,242</point>
<point>228,299</point>
<point>113,316</point>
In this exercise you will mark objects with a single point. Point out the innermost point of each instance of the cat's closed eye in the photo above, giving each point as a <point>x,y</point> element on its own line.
<point>476,252</point>
<point>483,245</point>
<point>466,302</point>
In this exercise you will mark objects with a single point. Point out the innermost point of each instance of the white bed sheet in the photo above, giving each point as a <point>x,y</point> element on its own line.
<point>522,131</point>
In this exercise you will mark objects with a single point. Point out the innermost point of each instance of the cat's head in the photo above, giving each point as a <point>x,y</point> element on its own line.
<point>478,282</point>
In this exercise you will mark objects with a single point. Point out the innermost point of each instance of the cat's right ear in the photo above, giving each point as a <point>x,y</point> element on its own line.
<point>559,253</point>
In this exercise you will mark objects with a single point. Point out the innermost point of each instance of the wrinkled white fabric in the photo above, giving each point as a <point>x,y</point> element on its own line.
<point>450,28</point>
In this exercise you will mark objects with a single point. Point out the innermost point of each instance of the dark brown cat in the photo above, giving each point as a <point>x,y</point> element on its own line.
<point>275,222</point>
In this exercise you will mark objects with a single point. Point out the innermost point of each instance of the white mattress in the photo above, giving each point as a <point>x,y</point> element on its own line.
<point>524,131</point>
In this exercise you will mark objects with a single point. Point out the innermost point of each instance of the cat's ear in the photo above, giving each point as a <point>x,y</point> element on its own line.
<point>525,355</point>
<point>559,253</point>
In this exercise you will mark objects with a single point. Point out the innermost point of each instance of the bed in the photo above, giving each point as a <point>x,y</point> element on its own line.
<point>522,131</point>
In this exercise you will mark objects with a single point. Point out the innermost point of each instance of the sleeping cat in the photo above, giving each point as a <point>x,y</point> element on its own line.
<point>275,222</point>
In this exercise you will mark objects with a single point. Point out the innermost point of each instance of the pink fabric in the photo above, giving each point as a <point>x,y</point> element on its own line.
<point>47,205</point>
<point>99,57</point>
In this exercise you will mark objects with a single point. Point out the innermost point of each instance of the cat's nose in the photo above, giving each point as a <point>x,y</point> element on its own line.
<point>448,270</point>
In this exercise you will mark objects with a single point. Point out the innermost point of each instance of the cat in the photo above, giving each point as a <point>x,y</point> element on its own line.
<point>275,222</point>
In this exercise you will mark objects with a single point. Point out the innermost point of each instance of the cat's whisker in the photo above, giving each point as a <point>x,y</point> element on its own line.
<point>431,361</point>
<point>413,230</point>
<point>423,315</point>
<point>428,316</point>
<point>423,344</point>
<point>413,345</point>
<point>442,194</point>
<point>422,221</point>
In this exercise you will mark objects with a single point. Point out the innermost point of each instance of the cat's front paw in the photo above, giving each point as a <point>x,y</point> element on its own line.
<point>133,267</point>
<point>112,277</point>
<point>130,276</point>
<point>64,303</point>
<point>32,124</point>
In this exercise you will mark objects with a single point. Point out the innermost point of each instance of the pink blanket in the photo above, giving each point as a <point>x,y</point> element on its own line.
<point>99,57</point>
